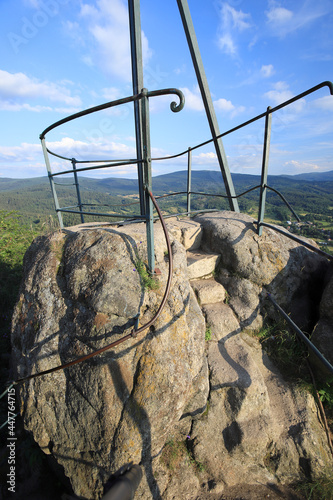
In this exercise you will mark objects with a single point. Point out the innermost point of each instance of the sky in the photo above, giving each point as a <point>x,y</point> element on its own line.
<point>62,56</point>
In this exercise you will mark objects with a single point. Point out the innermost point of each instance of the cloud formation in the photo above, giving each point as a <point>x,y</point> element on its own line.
<point>232,23</point>
<point>15,88</point>
<point>282,21</point>
<point>107,22</point>
<point>281,93</point>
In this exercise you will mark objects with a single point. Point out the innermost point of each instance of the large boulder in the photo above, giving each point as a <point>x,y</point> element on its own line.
<point>81,292</point>
<point>250,264</point>
<point>199,416</point>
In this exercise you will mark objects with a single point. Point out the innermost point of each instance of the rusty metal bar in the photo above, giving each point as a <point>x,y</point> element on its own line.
<point>135,332</point>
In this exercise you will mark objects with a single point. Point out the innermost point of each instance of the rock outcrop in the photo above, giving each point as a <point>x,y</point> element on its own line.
<point>323,332</point>
<point>218,406</point>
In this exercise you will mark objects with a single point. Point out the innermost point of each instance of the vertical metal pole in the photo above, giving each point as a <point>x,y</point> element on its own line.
<point>147,180</point>
<point>264,169</point>
<point>53,190</point>
<point>207,100</point>
<point>76,182</point>
<point>137,81</point>
<point>189,180</point>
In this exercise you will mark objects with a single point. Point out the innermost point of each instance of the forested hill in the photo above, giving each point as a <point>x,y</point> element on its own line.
<point>307,193</point>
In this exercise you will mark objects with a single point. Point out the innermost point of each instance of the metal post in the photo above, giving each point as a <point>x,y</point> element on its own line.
<point>189,180</point>
<point>147,180</point>
<point>137,82</point>
<point>207,100</point>
<point>264,169</point>
<point>76,182</point>
<point>53,190</point>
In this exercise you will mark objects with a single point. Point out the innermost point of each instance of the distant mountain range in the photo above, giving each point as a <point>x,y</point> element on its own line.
<point>313,176</point>
<point>164,183</point>
<point>308,193</point>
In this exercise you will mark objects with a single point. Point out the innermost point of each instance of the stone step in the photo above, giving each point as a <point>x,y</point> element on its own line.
<point>187,231</point>
<point>201,264</point>
<point>208,291</point>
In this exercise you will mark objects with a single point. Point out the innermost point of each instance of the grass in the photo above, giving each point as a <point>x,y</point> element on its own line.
<point>326,393</point>
<point>175,452</point>
<point>208,334</point>
<point>15,238</point>
<point>290,355</point>
<point>148,282</point>
<point>286,351</point>
<point>320,489</point>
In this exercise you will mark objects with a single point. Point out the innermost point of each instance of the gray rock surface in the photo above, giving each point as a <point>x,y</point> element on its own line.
<point>197,415</point>
<point>322,335</point>
<point>291,273</point>
<point>80,293</point>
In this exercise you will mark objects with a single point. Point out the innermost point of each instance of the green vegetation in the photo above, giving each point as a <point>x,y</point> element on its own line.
<point>326,393</point>
<point>320,489</point>
<point>290,355</point>
<point>208,334</point>
<point>176,452</point>
<point>15,237</point>
<point>148,282</point>
<point>283,347</point>
<point>312,200</point>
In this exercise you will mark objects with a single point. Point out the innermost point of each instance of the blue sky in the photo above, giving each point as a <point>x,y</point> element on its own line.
<point>61,56</point>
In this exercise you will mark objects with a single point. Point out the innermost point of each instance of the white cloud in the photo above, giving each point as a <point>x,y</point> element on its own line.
<point>235,18</point>
<point>282,21</point>
<point>24,152</point>
<point>301,166</point>
<point>325,103</point>
<point>205,158</point>
<point>15,106</point>
<point>267,70</point>
<point>194,102</point>
<point>94,149</point>
<point>18,86</point>
<point>109,27</point>
<point>227,44</point>
<point>281,93</point>
<point>279,15</point>
<point>227,107</point>
<point>233,22</point>
<point>193,99</point>
<point>111,93</point>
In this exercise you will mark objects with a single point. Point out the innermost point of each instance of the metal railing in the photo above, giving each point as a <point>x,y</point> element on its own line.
<point>145,163</point>
<point>79,166</point>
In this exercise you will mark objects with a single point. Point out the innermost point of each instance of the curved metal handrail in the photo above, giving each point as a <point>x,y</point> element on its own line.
<point>144,93</point>
<point>248,122</point>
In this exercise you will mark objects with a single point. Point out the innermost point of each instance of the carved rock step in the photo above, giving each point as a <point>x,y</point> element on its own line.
<point>201,264</point>
<point>208,291</point>
<point>187,231</point>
